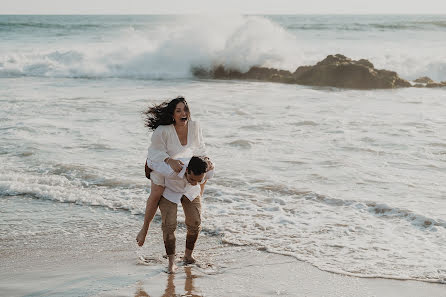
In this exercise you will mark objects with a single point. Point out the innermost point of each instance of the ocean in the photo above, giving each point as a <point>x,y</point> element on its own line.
<point>350,181</point>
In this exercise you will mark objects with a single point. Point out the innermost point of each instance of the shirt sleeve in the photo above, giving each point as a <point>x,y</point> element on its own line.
<point>162,168</point>
<point>157,151</point>
<point>200,149</point>
<point>208,175</point>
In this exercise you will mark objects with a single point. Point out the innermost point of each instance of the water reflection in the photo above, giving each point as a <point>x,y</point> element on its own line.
<point>170,288</point>
<point>189,289</point>
<point>189,283</point>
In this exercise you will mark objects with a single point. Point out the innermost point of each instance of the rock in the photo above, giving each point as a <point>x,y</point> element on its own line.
<point>342,72</point>
<point>435,85</point>
<point>424,80</point>
<point>366,63</point>
<point>254,73</point>
<point>334,71</point>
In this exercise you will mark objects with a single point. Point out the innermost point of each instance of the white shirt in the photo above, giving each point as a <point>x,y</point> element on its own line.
<point>177,184</point>
<point>165,143</point>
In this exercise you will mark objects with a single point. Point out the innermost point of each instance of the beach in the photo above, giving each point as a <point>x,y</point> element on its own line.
<point>105,261</point>
<point>318,191</point>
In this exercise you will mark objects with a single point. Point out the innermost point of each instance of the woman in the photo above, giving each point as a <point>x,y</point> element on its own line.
<point>175,136</point>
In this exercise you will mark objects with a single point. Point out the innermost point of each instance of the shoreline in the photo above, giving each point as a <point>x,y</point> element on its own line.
<point>111,264</point>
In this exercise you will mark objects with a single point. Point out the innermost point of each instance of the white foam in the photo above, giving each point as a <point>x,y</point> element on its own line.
<point>162,52</point>
<point>169,50</point>
<point>60,188</point>
<point>351,194</point>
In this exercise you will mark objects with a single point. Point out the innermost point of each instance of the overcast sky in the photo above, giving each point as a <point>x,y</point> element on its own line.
<point>222,6</point>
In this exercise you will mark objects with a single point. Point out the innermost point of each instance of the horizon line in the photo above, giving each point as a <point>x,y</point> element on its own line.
<point>210,13</point>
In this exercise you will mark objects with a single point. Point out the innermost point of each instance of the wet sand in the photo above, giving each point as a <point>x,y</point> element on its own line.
<point>105,261</point>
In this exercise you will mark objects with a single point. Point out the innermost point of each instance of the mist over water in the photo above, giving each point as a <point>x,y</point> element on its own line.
<point>350,181</point>
<point>166,47</point>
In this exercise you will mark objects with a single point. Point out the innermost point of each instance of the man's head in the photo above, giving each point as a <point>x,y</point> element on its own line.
<point>196,170</point>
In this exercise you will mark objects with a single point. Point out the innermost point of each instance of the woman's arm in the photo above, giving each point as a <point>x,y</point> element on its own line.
<point>157,151</point>
<point>200,147</point>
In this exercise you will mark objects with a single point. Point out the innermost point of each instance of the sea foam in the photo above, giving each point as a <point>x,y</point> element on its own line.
<point>161,53</point>
<point>170,50</point>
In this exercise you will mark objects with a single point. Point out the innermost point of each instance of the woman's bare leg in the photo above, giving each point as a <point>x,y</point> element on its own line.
<point>151,206</point>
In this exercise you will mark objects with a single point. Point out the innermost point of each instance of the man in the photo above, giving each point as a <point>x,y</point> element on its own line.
<point>186,187</point>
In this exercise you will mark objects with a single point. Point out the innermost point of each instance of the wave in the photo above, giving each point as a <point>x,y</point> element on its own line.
<point>342,24</point>
<point>108,193</point>
<point>313,227</point>
<point>171,50</point>
<point>379,210</point>
<point>246,209</point>
<point>8,26</point>
<point>164,52</point>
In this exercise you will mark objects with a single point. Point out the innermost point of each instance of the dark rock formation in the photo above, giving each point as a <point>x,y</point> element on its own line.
<point>436,85</point>
<point>424,80</point>
<point>254,73</point>
<point>334,71</point>
<point>342,72</point>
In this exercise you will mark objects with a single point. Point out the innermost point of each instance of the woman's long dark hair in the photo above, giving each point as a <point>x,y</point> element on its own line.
<point>162,114</point>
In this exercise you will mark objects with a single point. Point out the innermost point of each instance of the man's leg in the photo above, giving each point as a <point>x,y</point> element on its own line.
<point>192,212</point>
<point>169,224</point>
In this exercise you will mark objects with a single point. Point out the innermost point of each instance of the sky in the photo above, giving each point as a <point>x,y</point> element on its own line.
<point>222,6</point>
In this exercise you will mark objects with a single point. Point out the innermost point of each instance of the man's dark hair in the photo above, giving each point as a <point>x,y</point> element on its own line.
<point>197,165</point>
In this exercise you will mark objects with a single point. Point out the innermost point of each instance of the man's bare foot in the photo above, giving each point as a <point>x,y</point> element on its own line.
<point>141,237</point>
<point>188,259</point>
<point>172,266</point>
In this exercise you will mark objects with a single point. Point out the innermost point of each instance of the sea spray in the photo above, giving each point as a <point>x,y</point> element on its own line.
<point>170,47</point>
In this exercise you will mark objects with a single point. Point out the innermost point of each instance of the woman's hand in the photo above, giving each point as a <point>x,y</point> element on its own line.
<point>176,165</point>
<point>210,164</point>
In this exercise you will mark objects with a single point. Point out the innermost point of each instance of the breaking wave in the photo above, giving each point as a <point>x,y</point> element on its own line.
<point>169,50</point>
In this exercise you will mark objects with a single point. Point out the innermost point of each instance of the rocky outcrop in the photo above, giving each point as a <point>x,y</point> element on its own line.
<point>436,85</point>
<point>254,73</point>
<point>342,72</point>
<point>424,80</point>
<point>334,71</point>
<point>427,82</point>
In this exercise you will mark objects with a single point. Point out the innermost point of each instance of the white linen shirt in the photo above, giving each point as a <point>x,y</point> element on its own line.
<point>177,184</point>
<point>165,143</point>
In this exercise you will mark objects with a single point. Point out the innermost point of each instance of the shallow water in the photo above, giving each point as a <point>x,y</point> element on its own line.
<point>350,181</point>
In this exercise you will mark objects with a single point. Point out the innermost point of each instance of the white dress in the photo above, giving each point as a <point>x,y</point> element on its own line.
<point>165,144</point>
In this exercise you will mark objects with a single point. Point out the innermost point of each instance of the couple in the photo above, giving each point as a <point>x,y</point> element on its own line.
<point>178,174</point>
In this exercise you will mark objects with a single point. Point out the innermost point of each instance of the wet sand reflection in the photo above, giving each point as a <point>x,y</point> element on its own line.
<point>189,289</point>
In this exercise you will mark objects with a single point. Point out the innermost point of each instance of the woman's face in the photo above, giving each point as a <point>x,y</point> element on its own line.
<point>181,114</point>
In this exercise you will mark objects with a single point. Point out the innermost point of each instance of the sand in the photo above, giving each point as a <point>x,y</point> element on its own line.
<point>107,262</point>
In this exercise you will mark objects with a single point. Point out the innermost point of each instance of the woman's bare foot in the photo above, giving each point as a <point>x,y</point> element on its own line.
<point>172,266</point>
<point>141,237</point>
